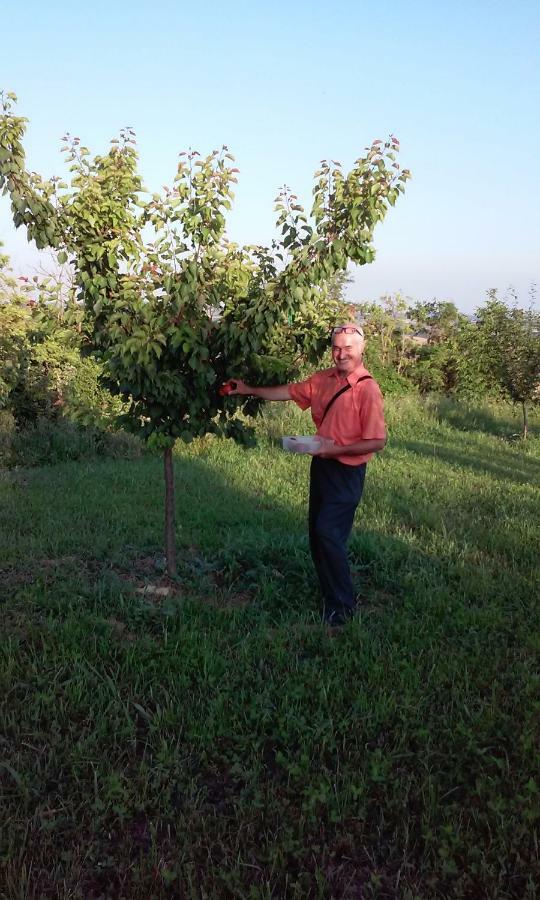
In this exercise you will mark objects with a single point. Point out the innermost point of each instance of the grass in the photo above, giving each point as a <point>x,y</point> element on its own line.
<point>207,738</point>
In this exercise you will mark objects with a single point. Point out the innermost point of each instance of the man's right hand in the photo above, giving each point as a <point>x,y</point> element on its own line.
<point>239,387</point>
<point>279,392</point>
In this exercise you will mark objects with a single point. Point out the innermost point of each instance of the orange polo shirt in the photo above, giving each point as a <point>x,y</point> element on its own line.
<point>356,415</point>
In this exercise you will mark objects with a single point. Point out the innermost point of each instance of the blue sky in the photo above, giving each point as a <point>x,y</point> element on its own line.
<point>287,84</point>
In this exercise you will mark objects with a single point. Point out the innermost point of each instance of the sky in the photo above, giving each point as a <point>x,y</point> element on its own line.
<point>286,84</point>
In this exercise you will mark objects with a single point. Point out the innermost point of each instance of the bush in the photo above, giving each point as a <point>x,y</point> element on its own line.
<point>7,434</point>
<point>55,382</point>
<point>121,445</point>
<point>85,400</point>
<point>45,442</point>
<point>43,372</point>
<point>389,381</point>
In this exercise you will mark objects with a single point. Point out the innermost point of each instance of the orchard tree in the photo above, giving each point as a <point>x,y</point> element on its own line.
<point>440,364</point>
<point>388,328</point>
<point>173,317</point>
<point>507,344</point>
<point>15,317</point>
<point>337,285</point>
<point>440,318</point>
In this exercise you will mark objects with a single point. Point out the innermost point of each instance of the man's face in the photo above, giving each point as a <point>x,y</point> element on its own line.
<point>347,351</point>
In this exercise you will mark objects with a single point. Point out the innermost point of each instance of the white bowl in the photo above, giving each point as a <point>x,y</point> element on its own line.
<point>301,443</point>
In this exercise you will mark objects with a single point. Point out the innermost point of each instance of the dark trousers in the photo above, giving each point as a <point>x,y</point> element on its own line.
<point>335,491</point>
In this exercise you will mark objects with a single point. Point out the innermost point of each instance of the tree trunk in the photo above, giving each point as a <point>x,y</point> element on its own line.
<point>525,421</point>
<point>170,542</point>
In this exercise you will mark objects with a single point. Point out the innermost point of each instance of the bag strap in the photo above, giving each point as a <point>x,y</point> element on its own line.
<point>339,393</point>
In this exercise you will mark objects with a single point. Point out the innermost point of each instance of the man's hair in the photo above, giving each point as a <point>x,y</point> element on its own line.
<point>347,328</point>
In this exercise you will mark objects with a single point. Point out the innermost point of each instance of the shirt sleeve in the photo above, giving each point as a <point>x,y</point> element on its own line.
<point>301,393</point>
<point>372,425</point>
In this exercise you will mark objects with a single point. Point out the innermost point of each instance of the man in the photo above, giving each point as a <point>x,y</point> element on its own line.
<point>347,408</point>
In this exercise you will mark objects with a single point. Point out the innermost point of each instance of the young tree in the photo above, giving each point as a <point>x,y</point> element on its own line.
<point>174,317</point>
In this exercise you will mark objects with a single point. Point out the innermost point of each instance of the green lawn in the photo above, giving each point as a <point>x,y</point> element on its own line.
<point>210,739</point>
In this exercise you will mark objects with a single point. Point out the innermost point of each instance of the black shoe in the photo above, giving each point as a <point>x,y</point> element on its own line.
<point>338,616</point>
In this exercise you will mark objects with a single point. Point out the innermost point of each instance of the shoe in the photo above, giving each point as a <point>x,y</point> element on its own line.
<point>337,617</point>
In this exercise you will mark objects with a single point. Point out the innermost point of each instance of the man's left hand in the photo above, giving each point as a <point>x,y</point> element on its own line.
<point>325,447</point>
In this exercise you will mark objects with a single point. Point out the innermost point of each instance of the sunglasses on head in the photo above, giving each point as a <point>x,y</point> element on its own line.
<point>347,329</point>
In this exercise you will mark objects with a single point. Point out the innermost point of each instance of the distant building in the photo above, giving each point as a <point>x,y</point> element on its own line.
<point>420,337</point>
